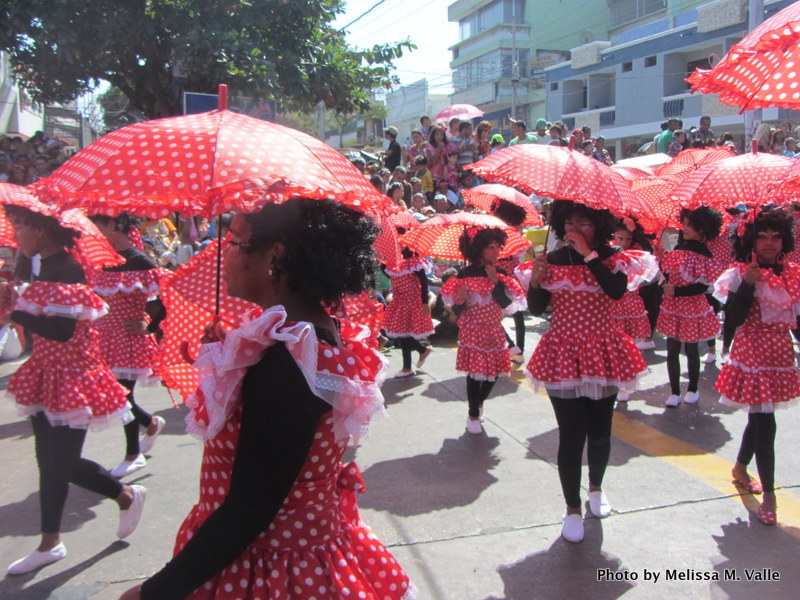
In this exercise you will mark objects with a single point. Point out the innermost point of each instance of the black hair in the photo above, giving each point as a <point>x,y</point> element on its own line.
<point>392,187</point>
<point>704,220</point>
<point>638,235</point>
<point>327,247</point>
<point>472,247</point>
<point>510,213</point>
<point>377,182</point>
<point>123,222</point>
<point>464,125</point>
<point>64,236</point>
<point>603,221</point>
<point>420,160</point>
<point>774,219</point>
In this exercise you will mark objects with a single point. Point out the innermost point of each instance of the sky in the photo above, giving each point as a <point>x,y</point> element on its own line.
<point>424,22</point>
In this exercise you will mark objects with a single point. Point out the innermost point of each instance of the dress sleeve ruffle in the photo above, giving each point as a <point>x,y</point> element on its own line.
<point>450,291</point>
<point>728,282</point>
<point>523,274</point>
<point>778,296</point>
<point>641,267</point>
<point>108,283</point>
<point>411,265</point>
<point>515,293</point>
<point>348,377</point>
<point>73,300</point>
<point>692,267</point>
<point>575,278</point>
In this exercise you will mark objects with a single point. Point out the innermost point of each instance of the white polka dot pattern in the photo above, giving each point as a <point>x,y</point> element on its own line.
<point>482,197</point>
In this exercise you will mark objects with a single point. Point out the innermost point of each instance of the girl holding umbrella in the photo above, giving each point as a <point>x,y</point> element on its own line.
<point>278,400</point>
<point>581,361</point>
<point>761,293</point>
<point>686,316</point>
<point>478,296</point>
<point>65,386</point>
<point>127,339</point>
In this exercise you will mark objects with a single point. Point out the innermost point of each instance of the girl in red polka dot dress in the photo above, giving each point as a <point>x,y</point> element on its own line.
<point>408,315</point>
<point>582,361</point>
<point>65,386</point>
<point>686,317</point>
<point>761,292</point>
<point>479,295</point>
<point>127,332</point>
<point>278,400</point>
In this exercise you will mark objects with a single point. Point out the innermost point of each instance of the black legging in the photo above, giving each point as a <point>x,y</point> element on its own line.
<point>651,296</point>
<point>674,365</point>
<point>519,331</point>
<point>477,392</point>
<point>579,420</point>
<point>407,345</point>
<point>58,454</point>
<point>141,418</point>
<point>759,439</point>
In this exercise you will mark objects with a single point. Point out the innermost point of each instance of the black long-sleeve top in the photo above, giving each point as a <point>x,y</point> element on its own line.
<point>613,284</point>
<point>695,289</point>
<point>279,418</point>
<point>135,260</point>
<point>60,267</point>
<point>498,291</point>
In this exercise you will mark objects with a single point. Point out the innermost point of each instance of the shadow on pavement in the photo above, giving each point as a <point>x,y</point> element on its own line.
<point>17,429</point>
<point>565,570</point>
<point>44,589</point>
<point>22,518</point>
<point>455,476</point>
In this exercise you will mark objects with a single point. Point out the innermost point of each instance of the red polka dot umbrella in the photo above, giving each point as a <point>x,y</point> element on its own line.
<point>439,235</point>
<point>206,164</point>
<point>92,248</point>
<point>655,193</point>
<point>629,173</point>
<point>484,196</point>
<point>465,112</point>
<point>745,179</point>
<point>788,189</point>
<point>688,161</point>
<point>561,174</point>
<point>760,71</point>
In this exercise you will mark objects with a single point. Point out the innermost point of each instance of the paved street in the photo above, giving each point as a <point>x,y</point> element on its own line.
<point>469,517</point>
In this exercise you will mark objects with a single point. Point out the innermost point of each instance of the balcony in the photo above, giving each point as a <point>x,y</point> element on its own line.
<point>596,118</point>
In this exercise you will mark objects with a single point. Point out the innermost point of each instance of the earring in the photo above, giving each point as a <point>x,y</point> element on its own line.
<point>781,256</point>
<point>269,272</point>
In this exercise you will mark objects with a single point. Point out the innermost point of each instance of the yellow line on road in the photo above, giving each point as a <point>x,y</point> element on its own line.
<point>700,464</point>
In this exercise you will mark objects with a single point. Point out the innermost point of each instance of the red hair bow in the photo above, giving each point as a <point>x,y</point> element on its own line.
<point>472,232</point>
<point>749,218</point>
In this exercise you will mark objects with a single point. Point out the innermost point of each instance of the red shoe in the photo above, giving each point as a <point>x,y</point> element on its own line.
<point>767,517</point>
<point>751,485</point>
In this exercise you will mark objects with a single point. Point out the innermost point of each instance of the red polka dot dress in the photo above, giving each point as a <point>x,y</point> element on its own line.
<point>581,355</point>
<point>68,381</point>
<point>687,318</point>
<point>629,312</point>
<point>363,310</point>
<point>404,316</point>
<point>760,374</point>
<point>482,348</point>
<point>130,356</point>
<point>317,546</point>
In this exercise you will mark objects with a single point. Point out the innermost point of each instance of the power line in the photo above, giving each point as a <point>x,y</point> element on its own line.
<point>365,13</point>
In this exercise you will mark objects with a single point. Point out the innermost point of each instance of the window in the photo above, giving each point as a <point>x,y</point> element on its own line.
<point>494,13</point>
<point>554,86</point>
<point>650,61</point>
<point>696,64</point>
<point>627,67</point>
<point>625,11</point>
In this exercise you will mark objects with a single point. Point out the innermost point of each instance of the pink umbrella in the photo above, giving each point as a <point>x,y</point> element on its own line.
<point>465,112</point>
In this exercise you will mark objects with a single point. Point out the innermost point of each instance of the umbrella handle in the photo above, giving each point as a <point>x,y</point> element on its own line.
<point>218,289</point>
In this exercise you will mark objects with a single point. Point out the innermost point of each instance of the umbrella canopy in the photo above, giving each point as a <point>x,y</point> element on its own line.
<point>561,174</point>
<point>688,161</point>
<point>439,235</point>
<point>465,112</point>
<point>484,196</point>
<point>205,164</point>
<point>402,219</point>
<point>93,247</point>
<point>761,70</point>
<point>745,179</point>
<point>655,193</point>
<point>629,173</point>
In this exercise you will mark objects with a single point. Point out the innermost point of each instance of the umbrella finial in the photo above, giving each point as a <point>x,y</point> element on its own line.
<point>754,146</point>
<point>223,97</point>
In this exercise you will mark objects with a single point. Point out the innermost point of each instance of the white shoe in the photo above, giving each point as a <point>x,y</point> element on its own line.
<point>623,397</point>
<point>518,358</point>
<point>126,467</point>
<point>514,350</point>
<point>691,397</point>
<point>35,560</point>
<point>572,528</point>
<point>645,344</point>
<point>129,519</point>
<point>424,356</point>
<point>146,442</point>
<point>673,401</point>
<point>598,504</point>
<point>710,358</point>
<point>404,373</point>
<point>474,426</point>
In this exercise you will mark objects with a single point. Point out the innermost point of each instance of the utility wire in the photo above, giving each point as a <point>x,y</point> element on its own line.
<point>365,13</point>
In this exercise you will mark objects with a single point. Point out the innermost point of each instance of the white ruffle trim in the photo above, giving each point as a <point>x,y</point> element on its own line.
<point>523,274</point>
<point>407,269</point>
<point>684,316</point>
<point>151,289</point>
<point>223,365</point>
<point>392,335</point>
<point>76,311</point>
<point>746,369</point>
<point>518,304</point>
<point>80,418</point>
<point>566,284</point>
<point>144,377</point>
<point>775,302</point>
<point>595,388</point>
<point>766,407</point>
<point>483,377</point>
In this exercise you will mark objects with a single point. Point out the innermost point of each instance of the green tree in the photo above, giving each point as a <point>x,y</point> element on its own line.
<point>152,50</point>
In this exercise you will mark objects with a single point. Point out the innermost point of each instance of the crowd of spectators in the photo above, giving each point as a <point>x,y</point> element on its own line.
<point>25,161</point>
